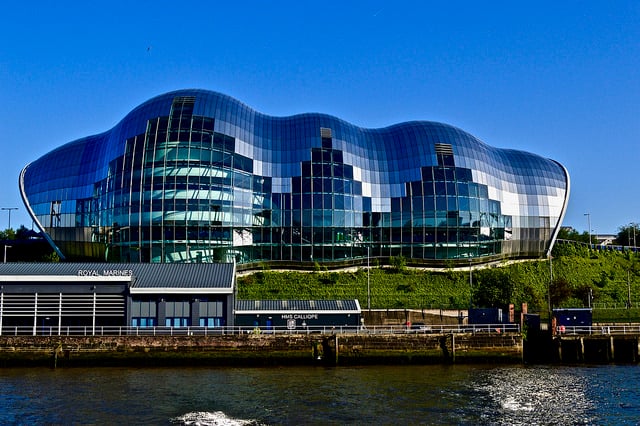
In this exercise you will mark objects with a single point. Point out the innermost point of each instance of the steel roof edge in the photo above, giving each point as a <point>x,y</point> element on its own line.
<point>60,278</point>
<point>298,311</point>
<point>182,290</point>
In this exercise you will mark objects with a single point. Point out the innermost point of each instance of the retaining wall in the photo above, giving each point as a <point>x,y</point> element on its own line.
<point>250,349</point>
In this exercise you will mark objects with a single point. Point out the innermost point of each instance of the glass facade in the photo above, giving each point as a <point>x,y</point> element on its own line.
<point>197,176</point>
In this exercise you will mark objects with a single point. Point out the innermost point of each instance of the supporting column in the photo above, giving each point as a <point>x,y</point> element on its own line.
<point>93,323</point>
<point>161,312</point>
<point>60,315</point>
<point>453,348</point>
<point>558,341</point>
<point>1,309</point>
<point>35,314</point>
<point>195,312</point>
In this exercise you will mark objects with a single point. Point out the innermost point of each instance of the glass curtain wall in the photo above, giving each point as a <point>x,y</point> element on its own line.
<point>196,176</point>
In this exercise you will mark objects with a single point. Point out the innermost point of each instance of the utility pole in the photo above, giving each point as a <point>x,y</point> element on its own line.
<point>368,280</point>
<point>470,285</point>
<point>588,215</point>
<point>549,287</point>
<point>628,289</point>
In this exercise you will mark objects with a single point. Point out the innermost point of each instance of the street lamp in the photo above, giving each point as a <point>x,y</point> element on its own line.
<point>470,285</point>
<point>5,252</point>
<point>9,210</point>
<point>588,215</point>
<point>368,281</point>
<point>549,288</point>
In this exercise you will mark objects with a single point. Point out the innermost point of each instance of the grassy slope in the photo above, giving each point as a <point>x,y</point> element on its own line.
<point>579,269</point>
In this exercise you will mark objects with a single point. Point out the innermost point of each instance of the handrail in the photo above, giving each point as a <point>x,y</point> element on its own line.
<point>606,330</point>
<point>50,331</point>
<point>241,330</point>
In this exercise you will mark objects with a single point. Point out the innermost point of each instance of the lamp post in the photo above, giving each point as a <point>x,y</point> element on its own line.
<point>9,210</point>
<point>470,285</point>
<point>549,288</point>
<point>5,252</point>
<point>628,289</point>
<point>368,281</point>
<point>588,215</point>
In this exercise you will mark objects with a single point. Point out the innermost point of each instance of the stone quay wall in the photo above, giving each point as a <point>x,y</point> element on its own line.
<point>260,349</point>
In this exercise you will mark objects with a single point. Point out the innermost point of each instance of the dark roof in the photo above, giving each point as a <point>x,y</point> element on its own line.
<point>144,277</point>
<point>297,306</point>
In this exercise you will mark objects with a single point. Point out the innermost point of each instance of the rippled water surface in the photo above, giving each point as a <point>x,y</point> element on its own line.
<point>375,395</point>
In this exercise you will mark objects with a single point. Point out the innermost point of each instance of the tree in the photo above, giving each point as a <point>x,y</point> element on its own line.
<point>573,235</point>
<point>8,234</point>
<point>627,235</point>
<point>399,263</point>
<point>560,291</point>
<point>492,288</point>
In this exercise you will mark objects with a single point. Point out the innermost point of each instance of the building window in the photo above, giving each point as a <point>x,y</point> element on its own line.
<point>176,322</point>
<point>211,322</point>
<point>143,322</point>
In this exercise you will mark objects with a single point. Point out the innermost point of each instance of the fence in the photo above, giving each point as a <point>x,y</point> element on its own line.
<point>220,331</point>
<point>605,330</point>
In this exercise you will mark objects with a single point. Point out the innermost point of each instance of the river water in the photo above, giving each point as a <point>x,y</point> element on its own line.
<point>459,394</point>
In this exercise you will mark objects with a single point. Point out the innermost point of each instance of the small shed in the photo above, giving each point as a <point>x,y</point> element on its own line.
<point>573,317</point>
<point>293,314</point>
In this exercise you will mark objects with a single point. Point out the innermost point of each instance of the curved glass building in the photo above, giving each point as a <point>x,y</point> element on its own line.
<point>197,176</point>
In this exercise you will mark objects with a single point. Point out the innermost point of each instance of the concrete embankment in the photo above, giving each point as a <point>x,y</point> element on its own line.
<point>246,350</point>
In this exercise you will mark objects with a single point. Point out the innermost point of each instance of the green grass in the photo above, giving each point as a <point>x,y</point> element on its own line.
<point>577,271</point>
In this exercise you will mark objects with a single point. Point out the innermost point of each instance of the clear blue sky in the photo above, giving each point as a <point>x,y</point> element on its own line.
<point>561,79</point>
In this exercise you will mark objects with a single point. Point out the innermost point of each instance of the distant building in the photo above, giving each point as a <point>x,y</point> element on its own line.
<point>298,314</point>
<point>116,298</point>
<point>64,298</point>
<point>605,239</point>
<point>196,176</point>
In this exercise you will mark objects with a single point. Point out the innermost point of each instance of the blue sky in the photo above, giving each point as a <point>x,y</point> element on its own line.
<point>560,79</point>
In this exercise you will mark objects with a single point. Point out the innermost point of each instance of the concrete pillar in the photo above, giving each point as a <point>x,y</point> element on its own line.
<point>453,348</point>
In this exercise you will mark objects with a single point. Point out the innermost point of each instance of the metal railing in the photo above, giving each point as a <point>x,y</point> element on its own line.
<point>221,331</point>
<point>604,330</point>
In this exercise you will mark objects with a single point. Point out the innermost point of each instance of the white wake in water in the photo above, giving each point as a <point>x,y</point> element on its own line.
<point>216,418</point>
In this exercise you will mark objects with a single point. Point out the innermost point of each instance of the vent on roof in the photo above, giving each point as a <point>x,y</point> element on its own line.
<point>183,105</point>
<point>444,153</point>
<point>444,148</point>
<point>325,135</point>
